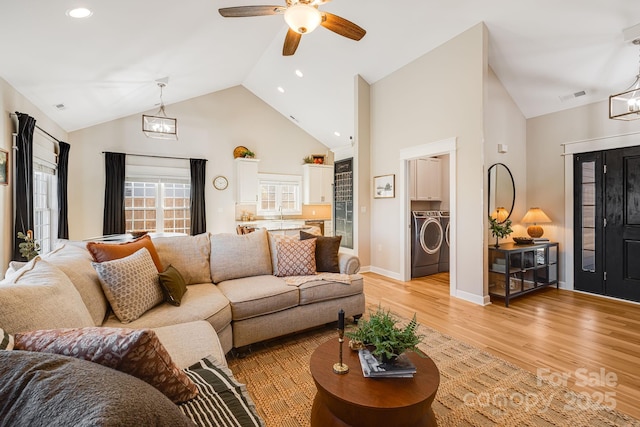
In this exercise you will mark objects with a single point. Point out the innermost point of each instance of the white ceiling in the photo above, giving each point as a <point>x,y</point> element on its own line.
<point>104,67</point>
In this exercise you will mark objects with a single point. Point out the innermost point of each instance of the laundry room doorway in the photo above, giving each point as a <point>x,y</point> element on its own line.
<point>427,190</point>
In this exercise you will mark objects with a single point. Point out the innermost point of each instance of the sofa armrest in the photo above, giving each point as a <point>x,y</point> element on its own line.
<point>349,264</point>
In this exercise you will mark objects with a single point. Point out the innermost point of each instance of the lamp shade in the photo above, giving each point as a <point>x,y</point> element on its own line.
<point>500,214</point>
<point>160,127</point>
<point>535,216</point>
<point>302,18</point>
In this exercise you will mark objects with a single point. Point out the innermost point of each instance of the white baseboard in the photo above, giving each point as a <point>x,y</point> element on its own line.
<point>386,273</point>
<point>365,269</point>
<point>476,299</point>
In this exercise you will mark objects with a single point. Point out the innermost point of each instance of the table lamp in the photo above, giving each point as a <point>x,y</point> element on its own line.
<point>535,216</point>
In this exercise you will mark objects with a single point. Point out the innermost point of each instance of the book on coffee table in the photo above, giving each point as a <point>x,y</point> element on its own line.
<point>401,367</point>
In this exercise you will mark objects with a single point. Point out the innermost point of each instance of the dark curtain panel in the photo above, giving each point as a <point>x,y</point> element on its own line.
<point>63,206</point>
<point>23,188</point>
<point>113,220</point>
<point>198,212</point>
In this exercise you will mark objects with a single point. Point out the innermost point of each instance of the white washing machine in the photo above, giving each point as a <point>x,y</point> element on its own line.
<point>427,237</point>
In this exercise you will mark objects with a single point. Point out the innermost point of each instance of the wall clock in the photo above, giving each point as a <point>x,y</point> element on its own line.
<point>220,182</point>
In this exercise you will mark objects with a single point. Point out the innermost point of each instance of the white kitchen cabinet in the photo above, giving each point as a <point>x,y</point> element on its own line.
<point>318,184</point>
<point>246,180</point>
<point>425,179</point>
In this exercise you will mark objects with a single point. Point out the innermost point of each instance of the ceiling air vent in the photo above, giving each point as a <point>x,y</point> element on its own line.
<point>571,96</point>
<point>60,107</point>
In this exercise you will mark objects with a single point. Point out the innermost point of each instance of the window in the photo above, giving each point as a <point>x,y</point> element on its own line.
<point>43,212</point>
<point>279,194</point>
<point>157,206</point>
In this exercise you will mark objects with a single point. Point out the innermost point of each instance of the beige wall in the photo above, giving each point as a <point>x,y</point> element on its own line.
<point>209,127</point>
<point>546,166</point>
<point>436,97</point>
<point>362,173</point>
<point>505,124</point>
<point>12,101</point>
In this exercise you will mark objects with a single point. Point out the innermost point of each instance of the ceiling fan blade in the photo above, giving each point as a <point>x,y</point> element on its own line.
<point>342,26</point>
<point>291,42</point>
<point>242,11</point>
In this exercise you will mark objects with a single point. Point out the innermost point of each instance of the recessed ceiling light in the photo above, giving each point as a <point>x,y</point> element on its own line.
<point>79,12</point>
<point>280,89</point>
<point>336,133</point>
<point>299,73</point>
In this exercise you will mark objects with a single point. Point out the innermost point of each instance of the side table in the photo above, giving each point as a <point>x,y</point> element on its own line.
<point>353,400</point>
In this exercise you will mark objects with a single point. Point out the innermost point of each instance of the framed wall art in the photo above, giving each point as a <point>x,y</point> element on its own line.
<point>384,187</point>
<point>4,167</point>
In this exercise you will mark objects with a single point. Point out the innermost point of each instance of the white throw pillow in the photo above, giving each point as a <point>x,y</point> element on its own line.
<point>131,284</point>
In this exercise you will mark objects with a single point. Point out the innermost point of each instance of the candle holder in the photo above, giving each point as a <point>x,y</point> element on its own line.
<point>340,368</point>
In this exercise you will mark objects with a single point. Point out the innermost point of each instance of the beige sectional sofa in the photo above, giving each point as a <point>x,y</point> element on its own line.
<point>230,285</point>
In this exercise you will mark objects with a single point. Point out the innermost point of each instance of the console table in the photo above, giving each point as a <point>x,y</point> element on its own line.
<point>353,400</point>
<point>516,270</point>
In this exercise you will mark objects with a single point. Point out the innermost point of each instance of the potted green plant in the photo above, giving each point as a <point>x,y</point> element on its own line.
<point>498,230</point>
<point>29,249</point>
<point>308,159</point>
<point>384,337</point>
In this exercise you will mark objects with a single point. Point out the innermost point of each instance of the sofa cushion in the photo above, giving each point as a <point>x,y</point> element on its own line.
<point>189,254</point>
<point>102,252</point>
<point>327,249</point>
<point>235,256</point>
<point>258,295</point>
<point>323,290</point>
<point>131,284</point>
<point>6,340</point>
<point>187,343</point>
<point>75,262</point>
<point>296,257</point>
<point>203,301</point>
<point>40,389</point>
<point>135,352</point>
<point>40,296</point>
<point>173,285</point>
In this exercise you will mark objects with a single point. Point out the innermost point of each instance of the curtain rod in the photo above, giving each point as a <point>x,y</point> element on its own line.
<point>41,130</point>
<point>157,157</point>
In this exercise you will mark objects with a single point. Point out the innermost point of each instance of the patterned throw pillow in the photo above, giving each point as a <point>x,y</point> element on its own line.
<point>137,352</point>
<point>102,252</point>
<point>296,257</point>
<point>131,284</point>
<point>173,285</point>
<point>6,340</point>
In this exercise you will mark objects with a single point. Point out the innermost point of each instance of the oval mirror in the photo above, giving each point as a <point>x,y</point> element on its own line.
<point>501,193</point>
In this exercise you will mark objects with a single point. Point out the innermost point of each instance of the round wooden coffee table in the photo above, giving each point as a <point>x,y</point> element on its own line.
<point>353,400</point>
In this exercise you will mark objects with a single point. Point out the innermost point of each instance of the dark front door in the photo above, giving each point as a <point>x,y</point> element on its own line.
<point>622,231</point>
<point>589,223</point>
<point>607,222</point>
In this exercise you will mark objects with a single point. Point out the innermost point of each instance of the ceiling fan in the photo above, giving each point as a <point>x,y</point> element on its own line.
<point>302,16</point>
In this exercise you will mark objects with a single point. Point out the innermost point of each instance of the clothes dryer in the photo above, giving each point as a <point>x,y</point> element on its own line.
<point>443,264</point>
<point>427,237</point>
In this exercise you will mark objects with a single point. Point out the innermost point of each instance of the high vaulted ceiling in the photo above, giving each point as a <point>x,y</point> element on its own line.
<point>105,66</point>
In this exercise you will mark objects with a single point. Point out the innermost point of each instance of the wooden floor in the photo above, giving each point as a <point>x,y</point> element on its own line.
<point>589,340</point>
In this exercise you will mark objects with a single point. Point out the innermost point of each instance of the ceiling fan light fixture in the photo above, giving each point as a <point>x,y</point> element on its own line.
<point>302,18</point>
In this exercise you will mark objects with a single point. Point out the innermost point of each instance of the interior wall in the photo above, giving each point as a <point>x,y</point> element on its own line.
<point>362,173</point>
<point>418,104</point>
<point>546,171</point>
<point>12,101</point>
<point>505,124</point>
<point>209,127</point>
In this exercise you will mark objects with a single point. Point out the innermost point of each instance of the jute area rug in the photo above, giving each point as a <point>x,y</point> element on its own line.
<point>476,388</point>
